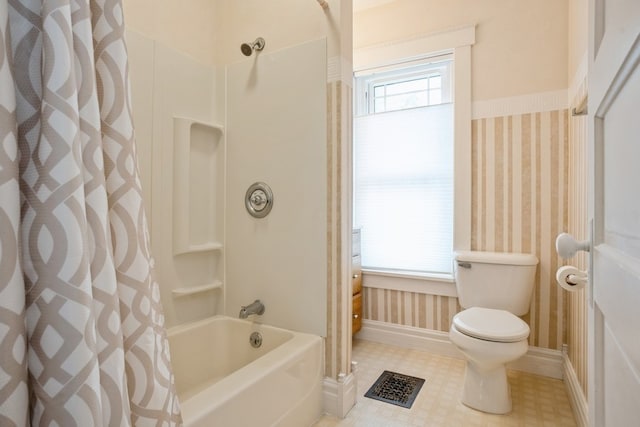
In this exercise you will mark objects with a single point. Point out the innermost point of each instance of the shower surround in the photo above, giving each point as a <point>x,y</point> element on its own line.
<point>276,133</point>
<point>177,78</point>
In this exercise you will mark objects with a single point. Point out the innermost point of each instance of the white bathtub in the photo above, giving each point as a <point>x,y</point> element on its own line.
<point>223,381</point>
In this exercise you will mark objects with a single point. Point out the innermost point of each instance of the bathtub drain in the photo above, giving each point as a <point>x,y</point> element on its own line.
<point>255,339</point>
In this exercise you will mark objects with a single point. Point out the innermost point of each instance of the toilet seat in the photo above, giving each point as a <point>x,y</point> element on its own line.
<point>491,325</point>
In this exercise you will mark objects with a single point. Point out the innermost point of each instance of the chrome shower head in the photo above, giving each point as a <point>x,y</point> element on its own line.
<point>248,48</point>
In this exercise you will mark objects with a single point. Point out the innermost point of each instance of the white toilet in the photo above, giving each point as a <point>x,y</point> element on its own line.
<point>494,289</point>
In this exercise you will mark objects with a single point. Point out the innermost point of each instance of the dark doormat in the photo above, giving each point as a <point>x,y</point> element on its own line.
<point>394,388</point>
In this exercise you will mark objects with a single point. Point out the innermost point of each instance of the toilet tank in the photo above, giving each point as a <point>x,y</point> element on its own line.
<point>497,280</point>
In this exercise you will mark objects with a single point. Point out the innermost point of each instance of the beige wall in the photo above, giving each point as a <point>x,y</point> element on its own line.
<point>577,38</point>
<point>184,26</point>
<point>282,23</point>
<point>521,46</point>
<point>211,31</point>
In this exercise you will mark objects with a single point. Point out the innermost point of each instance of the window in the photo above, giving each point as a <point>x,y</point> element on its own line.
<point>403,166</point>
<point>412,87</point>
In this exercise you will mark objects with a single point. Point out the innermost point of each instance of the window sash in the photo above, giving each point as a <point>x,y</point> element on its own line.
<point>369,101</point>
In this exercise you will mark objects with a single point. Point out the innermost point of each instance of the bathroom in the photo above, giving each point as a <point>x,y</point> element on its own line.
<point>517,82</point>
<point>218,128</point>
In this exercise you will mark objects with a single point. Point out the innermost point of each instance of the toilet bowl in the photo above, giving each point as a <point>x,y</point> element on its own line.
<point>493,288</point>
<point>489,339</point>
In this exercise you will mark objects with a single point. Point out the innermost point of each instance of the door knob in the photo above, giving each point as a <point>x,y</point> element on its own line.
<point>567,245</point>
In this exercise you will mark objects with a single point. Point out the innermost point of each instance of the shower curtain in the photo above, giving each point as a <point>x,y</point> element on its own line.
<point>82,341</point>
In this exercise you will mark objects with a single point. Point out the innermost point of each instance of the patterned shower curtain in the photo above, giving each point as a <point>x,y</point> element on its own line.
<point>82,341</point>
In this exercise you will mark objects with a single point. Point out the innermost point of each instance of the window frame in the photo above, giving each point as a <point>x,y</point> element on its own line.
<point>426,68</point>
<point>456,42</point>
<point>422,179</point>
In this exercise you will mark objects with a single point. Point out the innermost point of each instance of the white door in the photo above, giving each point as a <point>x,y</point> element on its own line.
<point>614,115</point>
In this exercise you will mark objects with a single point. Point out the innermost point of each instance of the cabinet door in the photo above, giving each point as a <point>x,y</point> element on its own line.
<point>356,321</point>
<point>356,274</point>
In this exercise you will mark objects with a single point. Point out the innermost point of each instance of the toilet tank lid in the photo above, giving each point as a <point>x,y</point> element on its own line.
<point>507,258</point>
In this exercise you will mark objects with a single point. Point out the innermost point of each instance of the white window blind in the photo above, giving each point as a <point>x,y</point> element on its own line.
<point>403,189</point>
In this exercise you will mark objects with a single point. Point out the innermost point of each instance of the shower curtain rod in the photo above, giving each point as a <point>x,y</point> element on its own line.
<point>581,109</point>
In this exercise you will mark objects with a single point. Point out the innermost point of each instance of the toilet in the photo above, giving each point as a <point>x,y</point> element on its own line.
<point>494,288</point>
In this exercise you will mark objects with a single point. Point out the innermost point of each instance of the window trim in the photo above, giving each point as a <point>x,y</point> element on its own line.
<point>436,284</point>
<point>457,42</point>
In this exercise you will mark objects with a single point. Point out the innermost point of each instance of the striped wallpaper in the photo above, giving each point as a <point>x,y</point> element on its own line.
<point>519,204</point>
<point>578,227</point>
<point>337,344</point>
<point>433,312</point>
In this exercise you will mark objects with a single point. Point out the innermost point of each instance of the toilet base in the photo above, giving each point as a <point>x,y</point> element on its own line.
<point>486,390</point>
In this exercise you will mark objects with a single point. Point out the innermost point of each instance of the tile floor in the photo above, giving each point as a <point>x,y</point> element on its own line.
<point>537,401</point>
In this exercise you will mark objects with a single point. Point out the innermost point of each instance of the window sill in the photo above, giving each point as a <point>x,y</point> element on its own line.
<point>430,284</point>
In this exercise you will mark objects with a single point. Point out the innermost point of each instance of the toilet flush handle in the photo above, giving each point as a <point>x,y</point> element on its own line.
<point>464,264</point>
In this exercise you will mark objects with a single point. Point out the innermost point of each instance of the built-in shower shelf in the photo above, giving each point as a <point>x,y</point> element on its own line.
<point>192,290</point>
<point>205,247</point>
<point>198,178</point>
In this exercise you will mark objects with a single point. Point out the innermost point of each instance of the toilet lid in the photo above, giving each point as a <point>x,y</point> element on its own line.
<point>491,324</point>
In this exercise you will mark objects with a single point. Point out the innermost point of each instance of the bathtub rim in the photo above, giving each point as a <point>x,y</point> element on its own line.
<point>200,404</point>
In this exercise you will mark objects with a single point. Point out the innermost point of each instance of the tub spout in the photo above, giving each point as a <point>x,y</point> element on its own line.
<point>255,307</point>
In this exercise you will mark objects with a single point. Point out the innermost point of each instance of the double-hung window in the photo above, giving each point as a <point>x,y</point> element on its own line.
<point>403,166</point>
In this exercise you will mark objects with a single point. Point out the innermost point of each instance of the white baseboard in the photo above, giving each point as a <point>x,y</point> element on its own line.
<point>577,398</point>
<point>539,361</point>
<point>408,337</point>
<point>339,395</point>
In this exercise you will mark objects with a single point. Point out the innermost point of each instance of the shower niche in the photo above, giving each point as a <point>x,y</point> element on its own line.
<point>198,194</point>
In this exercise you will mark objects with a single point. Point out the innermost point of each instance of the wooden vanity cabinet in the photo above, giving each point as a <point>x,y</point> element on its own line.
<point>356,282</point>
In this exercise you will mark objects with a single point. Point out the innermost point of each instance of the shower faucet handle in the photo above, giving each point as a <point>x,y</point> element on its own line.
<point>258,199</point>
